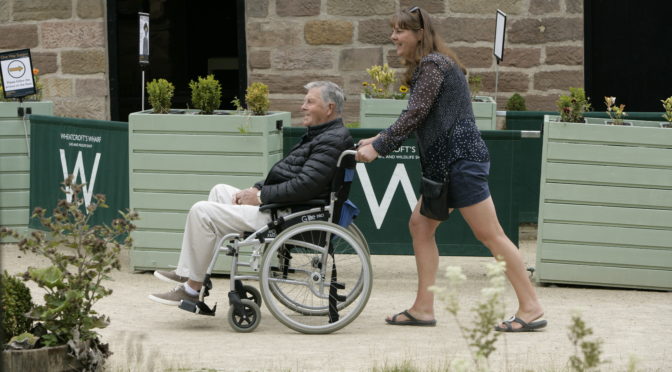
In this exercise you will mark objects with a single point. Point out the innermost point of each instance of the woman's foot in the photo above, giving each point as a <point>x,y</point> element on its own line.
<point>408,317</point>
<point>523,321</point>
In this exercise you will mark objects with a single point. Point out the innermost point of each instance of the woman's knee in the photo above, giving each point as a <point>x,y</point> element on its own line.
<point>421,226</point>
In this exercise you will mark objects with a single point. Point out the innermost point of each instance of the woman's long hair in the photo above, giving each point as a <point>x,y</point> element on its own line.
<point>429,43</point>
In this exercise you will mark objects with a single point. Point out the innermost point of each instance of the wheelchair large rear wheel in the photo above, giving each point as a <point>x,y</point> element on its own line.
<point>297,273</point>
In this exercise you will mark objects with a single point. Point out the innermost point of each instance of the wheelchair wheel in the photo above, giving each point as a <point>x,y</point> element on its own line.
<point>350,296</point>
<point>248,320</point>
<point>297,272</point>
<point>251,293</point>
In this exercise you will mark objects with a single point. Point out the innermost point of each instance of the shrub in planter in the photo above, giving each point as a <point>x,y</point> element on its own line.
<point>16,302</point>
<point>572,106</point>
<point>81,257</point>
<point>667,105</point>
<point>475,83</point>
<point>516,103</point>
<point>256,97</point>
<point>382,81</point>
<point>160,95</point>
<point>206,94</point>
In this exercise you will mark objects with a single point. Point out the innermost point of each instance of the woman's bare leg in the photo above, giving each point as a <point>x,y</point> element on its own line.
<point>482,218</point>
<point>426,261</point>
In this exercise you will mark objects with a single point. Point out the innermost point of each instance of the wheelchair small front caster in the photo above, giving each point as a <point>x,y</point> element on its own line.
<point>251,293</point>
<point>246,320</point>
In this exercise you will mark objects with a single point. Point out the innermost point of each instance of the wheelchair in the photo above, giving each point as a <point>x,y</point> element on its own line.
<point>312,264</point>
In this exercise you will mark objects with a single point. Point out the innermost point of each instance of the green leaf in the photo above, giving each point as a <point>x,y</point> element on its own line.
<point>50,277</point>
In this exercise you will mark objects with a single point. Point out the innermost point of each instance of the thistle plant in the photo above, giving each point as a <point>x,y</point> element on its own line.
<point>587,354</point>
<point>481,335</point>
<point>616,113</point>
<point>382,80</point>
<point>572,106</point>
<point>667,105</point>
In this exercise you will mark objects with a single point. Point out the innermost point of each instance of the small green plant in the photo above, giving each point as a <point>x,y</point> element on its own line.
<point>239,106</point>
<point>16,302</point>
<point>616,113</point>
<point>256,97</point>
<point>81,257</point>
<point>160,95</point>
<point>475,83</point>
<point>481,336</point>
<point>383,79</point>
<point>572,106</point>
<point>667,105</point>
<point>516,103</point>
<point>587,354</point>
<point>206,94</point>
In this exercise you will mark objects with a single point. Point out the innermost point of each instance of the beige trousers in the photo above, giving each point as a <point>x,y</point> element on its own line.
<point>209,220</point>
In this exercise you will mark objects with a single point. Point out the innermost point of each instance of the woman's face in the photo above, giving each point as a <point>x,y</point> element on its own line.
<point>406,41</point>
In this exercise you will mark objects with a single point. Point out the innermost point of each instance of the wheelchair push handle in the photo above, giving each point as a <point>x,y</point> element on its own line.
<point>346,153</point>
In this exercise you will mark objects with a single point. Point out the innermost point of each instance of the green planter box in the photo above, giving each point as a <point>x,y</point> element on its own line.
<point>605,213</point>
<point>174,160</point>
<point>381,113</point>
<point>14,162</point>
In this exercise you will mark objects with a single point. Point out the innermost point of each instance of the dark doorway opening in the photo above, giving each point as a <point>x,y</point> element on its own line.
<point>628,54</point>
<point>188,39</point>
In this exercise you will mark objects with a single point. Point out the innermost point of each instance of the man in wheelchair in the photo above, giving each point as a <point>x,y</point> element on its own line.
<point>304,174</point>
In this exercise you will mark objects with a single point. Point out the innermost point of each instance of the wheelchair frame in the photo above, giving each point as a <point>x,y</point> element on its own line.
<point>245,301</point>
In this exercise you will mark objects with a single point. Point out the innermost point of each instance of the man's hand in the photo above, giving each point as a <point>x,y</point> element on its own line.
<point>366,154</point>
<point>246,197</point>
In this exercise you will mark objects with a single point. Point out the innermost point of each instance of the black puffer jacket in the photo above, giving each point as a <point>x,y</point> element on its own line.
<point>306,172</point>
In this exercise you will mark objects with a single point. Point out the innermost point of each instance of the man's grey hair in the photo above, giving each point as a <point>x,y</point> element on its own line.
<point>330,93</point>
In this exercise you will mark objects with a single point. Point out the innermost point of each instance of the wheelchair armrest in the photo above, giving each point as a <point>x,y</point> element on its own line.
<point>307,203</point>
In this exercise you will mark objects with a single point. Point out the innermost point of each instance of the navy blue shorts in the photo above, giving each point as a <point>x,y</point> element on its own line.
<point>468,183</point>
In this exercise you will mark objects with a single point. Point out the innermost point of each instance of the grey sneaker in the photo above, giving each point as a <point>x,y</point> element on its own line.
<point>173,297</point>
<point>170,276</point>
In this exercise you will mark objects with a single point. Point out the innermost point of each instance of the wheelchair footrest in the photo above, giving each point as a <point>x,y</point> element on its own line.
<point>198,307</point>
<point>338,285</point>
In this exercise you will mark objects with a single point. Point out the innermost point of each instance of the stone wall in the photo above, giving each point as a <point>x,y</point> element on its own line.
<point>291,42</point>
<point>68,43</point>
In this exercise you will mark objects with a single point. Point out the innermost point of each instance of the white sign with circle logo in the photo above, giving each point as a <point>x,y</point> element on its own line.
<point>17,73</point>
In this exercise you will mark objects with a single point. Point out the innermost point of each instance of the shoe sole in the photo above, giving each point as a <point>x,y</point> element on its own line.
<point>167,279</point>
<point>163,301</point>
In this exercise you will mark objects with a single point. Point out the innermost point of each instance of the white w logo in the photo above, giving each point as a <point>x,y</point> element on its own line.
<point>399,175</point>
<point>78,171</point>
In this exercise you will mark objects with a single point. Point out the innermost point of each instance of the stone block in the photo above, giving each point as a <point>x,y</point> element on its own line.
<point>454,29</point>
<point>374,31</point>
<point>474,57</point>
<point>88,9</point>
<point>38,10</point>
<point>81,62</point>
<point>291,105</point>
<point>259,59</point>
<point>303,59</point>
<point>563,79</point>
<point>574,6</point>
<point>82,107</point>
<point>393,60</point>
<point>328,32</point>
<point>5,11</point>
<point>256,8</point>
<point>360,59</point>
<point>297,8</point>
<point>541,102</point>
<point>564,55</point>
<point>56,88</point>
<point>508,81</point>
<point>360,7</point>
<point>291,83</point>
<point>544,6</point>
<point>18,36</point>
<point>46,62</point>
<point>274,34</point>
<point>91,88</point>
<point>545,30</point>
<point>432,6</point>
<point>73,34</point>
<point>487,6</point>
<point>521,57</point>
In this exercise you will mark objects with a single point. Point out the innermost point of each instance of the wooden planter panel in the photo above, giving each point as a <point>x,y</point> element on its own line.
<point>14,163</point>
<point>606,206</point>
<point>174,162</point>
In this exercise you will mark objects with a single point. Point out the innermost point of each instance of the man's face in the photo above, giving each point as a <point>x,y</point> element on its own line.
<point>315,110</point>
